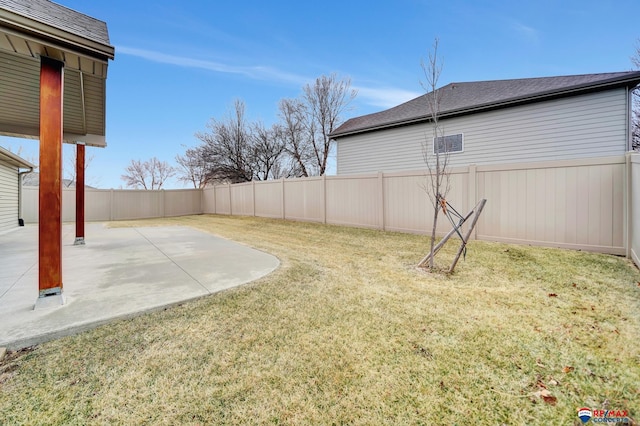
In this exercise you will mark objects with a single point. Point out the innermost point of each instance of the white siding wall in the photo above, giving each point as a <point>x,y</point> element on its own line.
<point>586,126</point>
<point>8,197</point>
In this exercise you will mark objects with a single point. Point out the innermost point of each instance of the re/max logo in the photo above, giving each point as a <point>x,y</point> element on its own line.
<point>610,413</point>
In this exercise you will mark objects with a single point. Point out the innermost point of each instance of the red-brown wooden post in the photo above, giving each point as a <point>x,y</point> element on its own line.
<point>80,154</point>
<point>50,196</point>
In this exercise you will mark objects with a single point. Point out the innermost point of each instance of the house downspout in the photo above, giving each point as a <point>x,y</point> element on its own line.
<point>20,178</point>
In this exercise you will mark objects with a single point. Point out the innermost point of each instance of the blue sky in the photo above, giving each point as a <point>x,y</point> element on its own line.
<point>179,63</point>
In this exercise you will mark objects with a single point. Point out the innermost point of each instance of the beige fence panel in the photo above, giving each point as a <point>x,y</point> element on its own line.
<point>304,199</point>
<point>354,201</point>
<point>574,204</point>
<point>223,199</point>
<point>30,203</point>
<point>97,205</point>
<point>209,200</point>
<point>182,202</point>
<point>268,199</point>
<point>137,204</point>
<point>407,207</point>
<point>242,199</point>
<point>634,207</point>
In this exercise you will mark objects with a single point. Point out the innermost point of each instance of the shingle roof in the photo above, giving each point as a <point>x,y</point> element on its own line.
<point>60,17</point>
<point>464,98</point>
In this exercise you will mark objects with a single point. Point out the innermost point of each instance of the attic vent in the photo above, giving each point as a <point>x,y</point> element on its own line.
<point>449,143</point>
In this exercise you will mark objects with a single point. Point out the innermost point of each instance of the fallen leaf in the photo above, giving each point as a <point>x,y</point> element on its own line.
<point>539,363</point>
<point>553,382</point>
<point>575,285</point>
<point>553,295</point>
<point>551,400</point>
<point>567,369</point>
<point>546,397</point>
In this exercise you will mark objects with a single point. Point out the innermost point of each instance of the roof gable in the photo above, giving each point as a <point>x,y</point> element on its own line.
<point>465,98</point>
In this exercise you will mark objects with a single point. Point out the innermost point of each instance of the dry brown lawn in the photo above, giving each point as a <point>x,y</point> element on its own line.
<point>348,331</point>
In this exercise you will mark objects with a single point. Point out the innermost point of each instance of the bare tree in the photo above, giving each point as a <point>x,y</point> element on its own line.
<point>268,150</point>
<point>435,150</point>
<point>325,100</point>
<point>295,136</point>
<point>150,174</point>
<point>193,168</point>
<point>227,147</point>
<point>70,166</point>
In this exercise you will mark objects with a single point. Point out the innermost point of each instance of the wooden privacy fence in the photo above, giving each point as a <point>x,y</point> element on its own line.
<point>589,204</point>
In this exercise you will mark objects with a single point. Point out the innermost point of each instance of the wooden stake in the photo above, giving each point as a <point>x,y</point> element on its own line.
<point>480,206</point>
<point>442,242</point>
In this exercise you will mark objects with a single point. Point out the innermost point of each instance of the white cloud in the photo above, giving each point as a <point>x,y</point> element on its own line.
<point>526,31</point>
<point>380,97</point>
<point>257,72</point>
<point>385,97</point>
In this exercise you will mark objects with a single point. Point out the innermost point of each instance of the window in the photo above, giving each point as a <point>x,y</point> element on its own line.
<point>449,143</point>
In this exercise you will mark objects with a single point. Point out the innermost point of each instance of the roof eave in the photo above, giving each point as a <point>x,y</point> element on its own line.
<point>13,159</point>
<point>55,36</point>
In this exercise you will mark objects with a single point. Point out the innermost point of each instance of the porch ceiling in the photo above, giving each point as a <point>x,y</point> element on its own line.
<point>30,29</point>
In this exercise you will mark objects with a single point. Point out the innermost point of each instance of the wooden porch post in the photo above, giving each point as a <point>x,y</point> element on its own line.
<point>50,194</point>
<point>80,155</point>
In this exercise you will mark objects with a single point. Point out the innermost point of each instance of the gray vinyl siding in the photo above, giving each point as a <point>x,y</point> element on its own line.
<point>8,197</point>
<point>585,126</point>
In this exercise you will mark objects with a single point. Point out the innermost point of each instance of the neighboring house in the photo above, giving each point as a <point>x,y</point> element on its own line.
<point>497,122</point>
<point>10,188</point>
<point>550,155</point>
<point>33,179</point>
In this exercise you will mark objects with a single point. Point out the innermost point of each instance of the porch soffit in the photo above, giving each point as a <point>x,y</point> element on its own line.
<point>27,32</point>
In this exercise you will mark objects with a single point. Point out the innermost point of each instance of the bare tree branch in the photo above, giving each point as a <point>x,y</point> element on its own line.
<point>437,160</point>
<point>150,174</point>
<point>326,99</point>
<point>70,166</point>
<point>192,167</point>
<point>294,134</point>
<point>227,147</point>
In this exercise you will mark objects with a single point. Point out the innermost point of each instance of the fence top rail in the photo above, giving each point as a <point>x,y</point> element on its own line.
<point>581,162</point>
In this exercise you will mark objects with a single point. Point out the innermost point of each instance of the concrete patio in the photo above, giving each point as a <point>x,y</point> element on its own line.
<point>120,272</point>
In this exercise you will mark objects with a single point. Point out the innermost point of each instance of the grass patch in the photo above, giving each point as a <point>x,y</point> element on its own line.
<point>348,331</point>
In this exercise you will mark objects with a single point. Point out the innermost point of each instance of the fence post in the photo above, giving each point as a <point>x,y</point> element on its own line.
<point>230,200</point>
<point>253,196</point>
<point>627,203</point>
<point>472,188</point>
<point>282,199</point>
<point>324,199</point>
<point>162,204</point>
<point>381,200</point>
<point>111,204</point>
